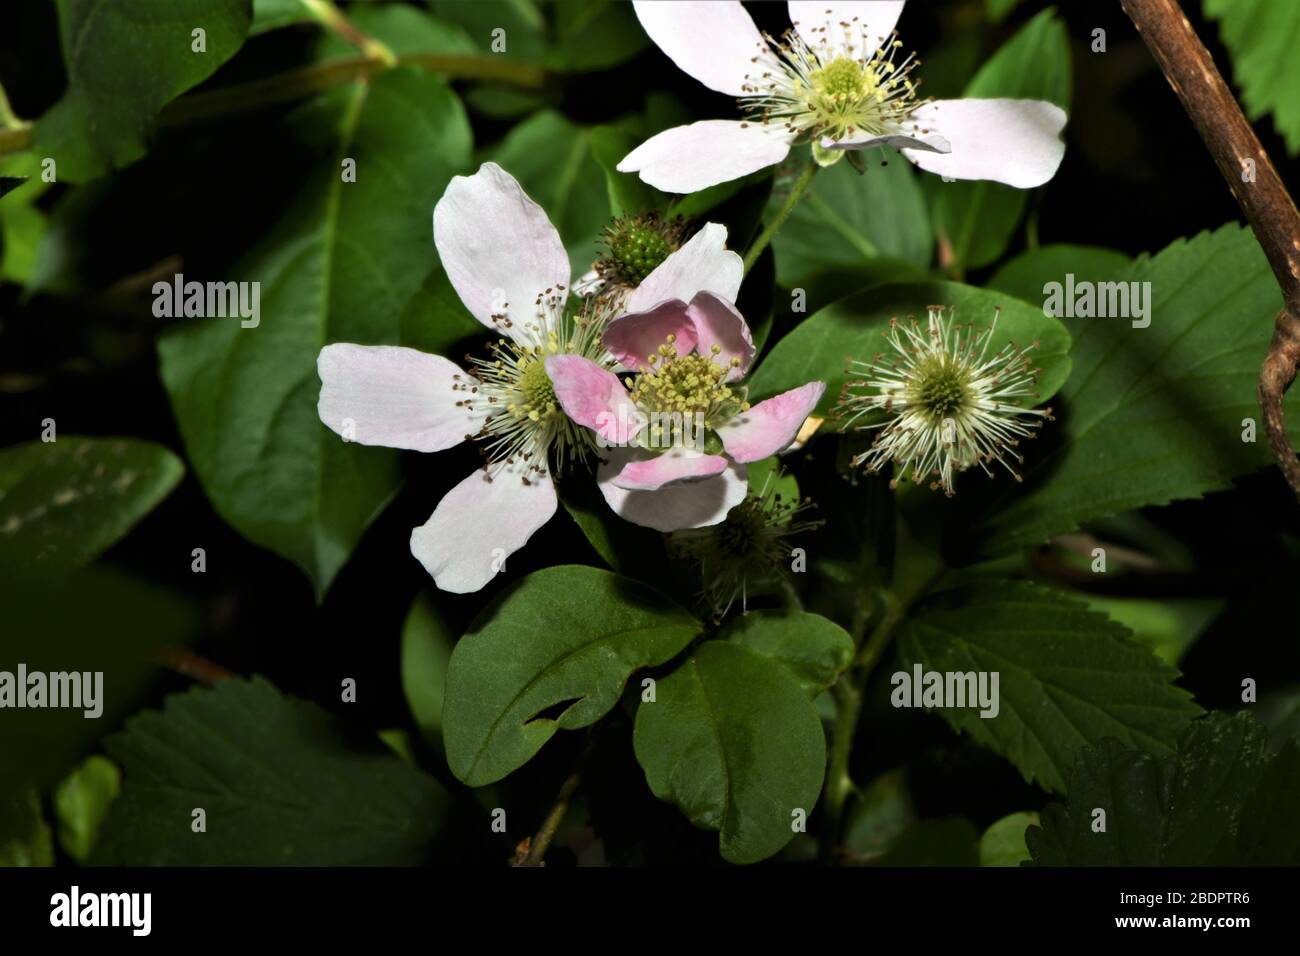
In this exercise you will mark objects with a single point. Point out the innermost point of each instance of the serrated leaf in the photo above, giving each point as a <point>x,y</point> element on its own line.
<point>64,502</point>
<point>1262,36</point>
<point>1179,810</point>
<point>25,838</point>
<point>1155,414</point>
<point>124,63</point>
<point>978,218</point>
<point>1067,677</point>
<point>339,266</point>
<point>815,650</point>
<point>1268,835</point>
<point>282,783</point>
<point>854,327</point>
<point>551,653</point>
<point>1027,275</point>
<point>734,741</point>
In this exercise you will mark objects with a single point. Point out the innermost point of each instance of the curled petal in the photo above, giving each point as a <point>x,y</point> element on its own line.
<point>702,264</point>
<point>676,465</point>
<point>694,504</point>
<point>770,426</point>
<point>634,337</point>
<point>718,323</point>
<point>594,397</point>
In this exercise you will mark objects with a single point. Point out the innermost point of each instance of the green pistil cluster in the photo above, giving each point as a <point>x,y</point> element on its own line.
<point>636,246</point>
<point>536,394</point>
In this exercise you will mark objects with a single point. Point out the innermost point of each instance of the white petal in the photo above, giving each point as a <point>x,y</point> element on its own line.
<point>702,264</point>
<point>1016,142</point>
<point>714,41</point>
<point>694,504</point>
<point>395,397</point>
<point>673,466</point>
<point>477,525</point>
<point>686,159</point>
<point>822,24</point>
<point>499,250</point>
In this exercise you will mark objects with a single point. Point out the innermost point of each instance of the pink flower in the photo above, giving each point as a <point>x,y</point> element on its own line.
<point>682,430</point>
<point>508,265</point>
<point>836,81</point>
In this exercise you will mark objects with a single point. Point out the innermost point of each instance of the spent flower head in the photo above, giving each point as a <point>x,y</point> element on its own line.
<point>941,402</point>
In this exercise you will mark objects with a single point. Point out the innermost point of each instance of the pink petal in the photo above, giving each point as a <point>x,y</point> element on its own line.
<point>712,41</point>
<point>478,524</point>
<point>718,323</point>
<point>1016,142</point>
<point>686,159</point>
<point>694,504</point>
<point>677,465</point>
<point>703,263</point>
<point>594,397</point>
<point>770,426</point>
<point>822,24</point>
<point>634,337</point>
<point>499,250</point>
<point>395,397</point>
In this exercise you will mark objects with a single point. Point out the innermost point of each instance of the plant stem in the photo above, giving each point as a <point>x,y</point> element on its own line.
<point>1255,185</point>
<point>332,19</point>
<point>542,841</point>
<point>796,193</point>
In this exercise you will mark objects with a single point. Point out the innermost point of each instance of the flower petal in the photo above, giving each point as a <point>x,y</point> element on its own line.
<point>844,27</point>
<point>594,397</point>
<point>686,159</point>
<point>916,138</point>
<point>395,397</point>
<point>717,323</point>
<point>712,40</point>
<point>770,426</point>
<point>1016,142</point>
<point>676,465</point>
<point>478,524</point>
<point>499,250</point>
<point>703,263</point>
<point>694,504</point>
<point>634,337</point>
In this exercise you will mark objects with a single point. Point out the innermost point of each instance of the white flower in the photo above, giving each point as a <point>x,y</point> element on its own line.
<point>838,80</point>
<point>508,265</point>
<point>946,403</point>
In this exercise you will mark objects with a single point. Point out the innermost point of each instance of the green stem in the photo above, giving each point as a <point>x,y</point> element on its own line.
<point>332,19</point>
<point>796,193</point>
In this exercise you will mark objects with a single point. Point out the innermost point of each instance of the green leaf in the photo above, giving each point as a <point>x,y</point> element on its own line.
<point>847,219</point>
<point>1067,677</point>
<point>594,35</point>
<point>1155,414</point>
<point>951,841</point>
<point>339,266</point>
<point>551,157</point>
<point>274,14</point>
<point>733,740</point>
<point>124,63</point>
<point>552,653</point>
<point>629,549</point>
<point>1003,843</point>
<point>9,183</point>
<point>1027,275</point>
<point>426,652</point>
<point>880,815</point>
<point>81,803</point>
<point>815,650</point>
<point>434,320</point>
<point>1262,36</point>
<point>406,31</point>
<point>1268,834</point>
<point>524,26</point>
<point>282,783</point>
<point>854,327</point>
<point>978,218</point>
<point>627,193</point>
<point>1180,810</point>
<point>24,835</point>
<point>63,502</point>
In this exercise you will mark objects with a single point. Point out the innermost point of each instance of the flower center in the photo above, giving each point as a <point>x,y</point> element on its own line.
<point>941,388</point>
<point>684,383</point>
<point>848,92</point>
<point>537,395</point>
<point>637,245</point>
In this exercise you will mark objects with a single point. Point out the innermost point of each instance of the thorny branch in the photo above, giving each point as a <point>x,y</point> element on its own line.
<point>1268,206</point>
